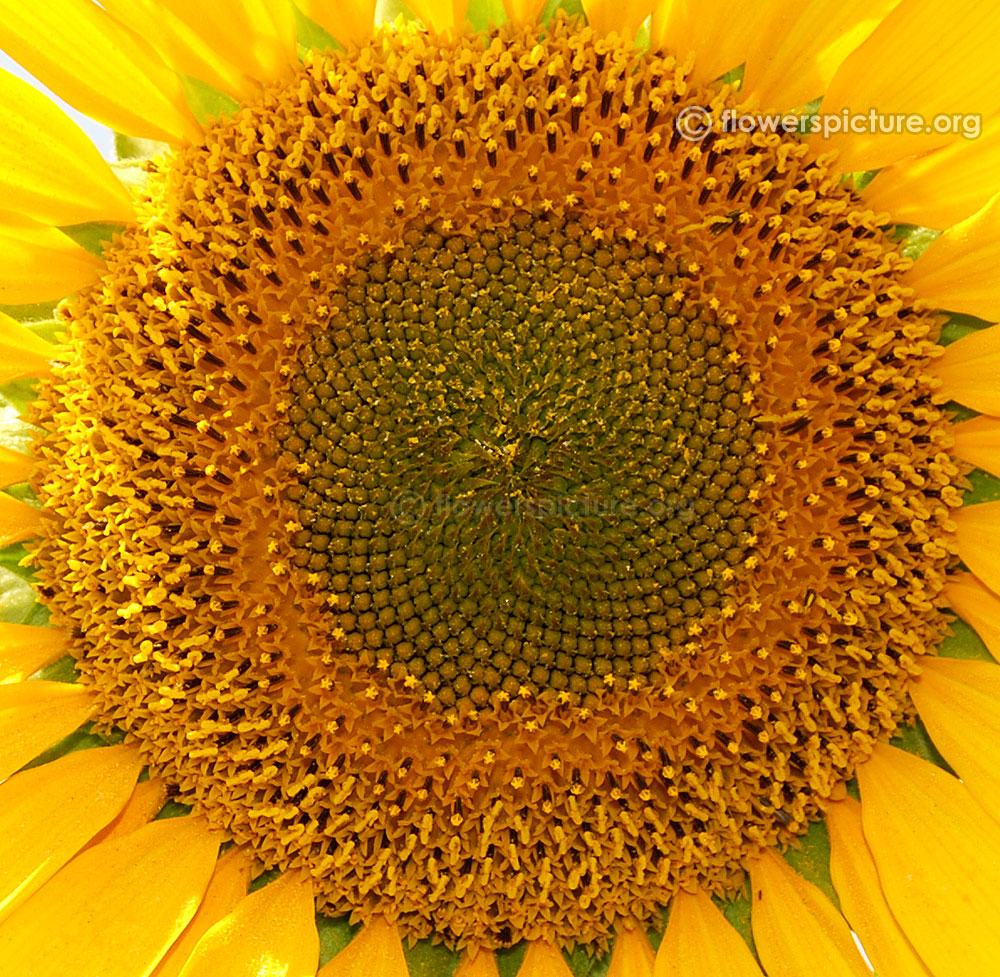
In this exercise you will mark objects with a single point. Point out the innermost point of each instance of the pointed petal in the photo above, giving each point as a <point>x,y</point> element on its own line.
<point>802,58</point>
<point>524,11</point>
<point>39,263</point>
<point>978,441</point>
<point>978,606</point>
<point>794,924</point>
<point>35,715</point>
<point>959,702</point>
<point>721,35</point>
<point>272,931</point>
<point>440,15</point>
<point>483,964</point>
<point>958,271</point>
<point>25,649</point>
<point>621,17</point>
<point>969,370</point>
<point>632,955</point>
<point>14,467</point>
<point>856,881</point>
<point>916,62</point>
<point>376,951</point>
<point>48,813</point>
<point>226,888</point>
<point>181,47</point>
<point>700,942</point>
<point>49,169</point>
<point>119,905</point>
<point>979,541</point>
<point>543,959</point>
<point>18,520</point>
<point>254,39</point>
<point>22,353</point>
<point>940,188</point>
<point>351,23</point>
<point>145,803</point>
<point>938,858</point>
<point>77,50</point>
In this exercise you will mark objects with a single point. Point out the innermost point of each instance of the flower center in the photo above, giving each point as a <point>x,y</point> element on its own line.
<point>474,494</point>
<point>525,460</point>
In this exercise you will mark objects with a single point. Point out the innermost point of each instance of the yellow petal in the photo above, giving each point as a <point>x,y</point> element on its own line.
<point>940,188</point>
<point>350,23</point>
<point>543,959</point>
<point>979,541</point>
<point>145,803</point>
<point>14,467</point>
<point>958,271</point>
<point>483,964</point>
<point>22,353</point>
<point>179,45</point>
<point>524,11</point>
<point>800,60</point>
<point>978,606</point>
<point>25,649</point>
<point>376,951</point>
<point>119,905</point>
<point>919,60</point>
<point>622,17</point>
<point>969,370</point>
<point>18,520</point>
<point>440,15</point>
<point>720,34</point>
<point>632,955</point>
<point>938,858</point>
<point>272,931</point>
<point>794,925</point>
<point>978,442</point>
<point>253,38</point>
<point>856,881</point>
<point>49,169</point>
<point>226,888</point>
<point>48,813</point>
<point>99,67</point>
<point>39,263</point>
<point>959,702</point>
<point>35,715</point>
<point>699,942</point>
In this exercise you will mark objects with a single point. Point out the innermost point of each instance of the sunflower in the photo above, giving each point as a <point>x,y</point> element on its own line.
<point>483,499</point>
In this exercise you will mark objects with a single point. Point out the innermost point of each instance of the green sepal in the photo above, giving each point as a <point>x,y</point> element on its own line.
<point>428,959</point>
<point>510,959</point>
<point>312,36</point>
<point>810,857</point>
<point>206,101</point>
<point>487,14</point>
<point>959,325</point>
<point>583,961</point>
<point>915,239</point>
<point>737,912</point>
<point>334,935</point>
<point>129,148</point>
<point>915,739</point>
<point>572,8</point>
<point>93,236</point>
<point>964,643</point>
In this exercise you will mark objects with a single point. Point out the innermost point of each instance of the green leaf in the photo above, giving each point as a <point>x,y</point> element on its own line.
<point>206,101</point>
<point>810,857</point>
<point>487,13</point>
<point>311,36</point>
